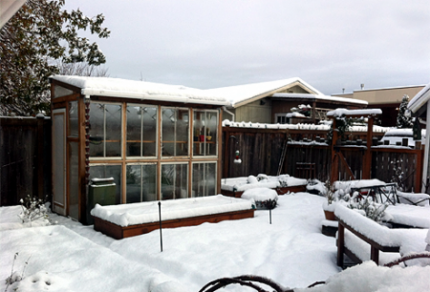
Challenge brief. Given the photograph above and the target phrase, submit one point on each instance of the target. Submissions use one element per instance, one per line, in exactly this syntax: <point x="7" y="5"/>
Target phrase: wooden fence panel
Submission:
<point x="396" y="166"/>
<point x="25" y="159"/>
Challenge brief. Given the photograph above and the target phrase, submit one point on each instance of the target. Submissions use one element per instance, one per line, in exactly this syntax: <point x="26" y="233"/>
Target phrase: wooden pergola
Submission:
<point x="336" y="152"/>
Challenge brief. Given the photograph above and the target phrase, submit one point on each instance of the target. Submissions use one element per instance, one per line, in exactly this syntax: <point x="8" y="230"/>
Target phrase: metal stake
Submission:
<point x="270" y="215"/>
<point x="161" y="233"/>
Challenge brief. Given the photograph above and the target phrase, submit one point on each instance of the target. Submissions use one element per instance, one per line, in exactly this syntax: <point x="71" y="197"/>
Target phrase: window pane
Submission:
<point x="205" y="133"/>
<point x="73" y="119"/>
<point x="174" y="183"/>
<point x="105" y="130"/>
<point x="96" y="129"/>
<point x="73" y="181"/>
<point x="204" y="179"/>
<point x="133" y="131"/>
<point x="149" y="131"/>
<point x="113" y="130"/>
<point x="168" y="131"/>
<point x="141" y="183"/>
<point x="175" y="132"/>
<point x="182" y="131"/>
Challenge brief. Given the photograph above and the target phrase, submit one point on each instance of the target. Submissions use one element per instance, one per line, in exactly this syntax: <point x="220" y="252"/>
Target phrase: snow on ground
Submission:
<point x="291" y="251"/>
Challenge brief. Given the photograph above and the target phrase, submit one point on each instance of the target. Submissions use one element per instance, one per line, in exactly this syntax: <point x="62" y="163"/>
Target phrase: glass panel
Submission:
<point x="150" y="117"/>
<point x="133" y="131"/>
<point x="113" y="130"/>
<point x="174" y="182"/>
<point x="182" y="132"/>
<point x="141" y="130"/>
<point x="141" y="183"/>
<point x="105" y="130"/>
<point x="104" y="171"/>
<point x="212" y="133"/>
<point x="96" y="129"/>
<point x="175" y="131"/>
<point x="204" y="179"/>
<point x="61" y="91"/>
<point x="73" y="119"/>
<point x="168" y="131"/>
<point x="205" y="133"/>
<point x="73" y="181"/>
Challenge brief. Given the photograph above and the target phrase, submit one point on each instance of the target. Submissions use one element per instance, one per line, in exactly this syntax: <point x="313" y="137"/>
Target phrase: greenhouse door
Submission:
<point x="59" y="202"/>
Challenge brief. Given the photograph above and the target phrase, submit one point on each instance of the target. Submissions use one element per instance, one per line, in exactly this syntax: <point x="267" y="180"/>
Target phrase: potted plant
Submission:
<point x="328" y="205"/>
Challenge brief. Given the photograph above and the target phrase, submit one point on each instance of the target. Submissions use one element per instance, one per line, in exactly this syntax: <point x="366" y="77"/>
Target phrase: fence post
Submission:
<point x="40" y="177"/>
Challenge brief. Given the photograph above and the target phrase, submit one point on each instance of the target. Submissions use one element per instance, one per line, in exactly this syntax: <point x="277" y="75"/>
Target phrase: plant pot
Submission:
<point x="329" y="215"/>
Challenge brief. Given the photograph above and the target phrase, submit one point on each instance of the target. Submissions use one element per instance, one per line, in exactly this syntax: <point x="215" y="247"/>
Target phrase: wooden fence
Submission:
<point x="261" y="152"/>
<point x="25" y="158"/>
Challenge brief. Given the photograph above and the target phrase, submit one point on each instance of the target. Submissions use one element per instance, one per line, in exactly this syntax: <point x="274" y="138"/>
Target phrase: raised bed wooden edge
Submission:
<point x="119" y="232"/>
<point x="280" y="191"/>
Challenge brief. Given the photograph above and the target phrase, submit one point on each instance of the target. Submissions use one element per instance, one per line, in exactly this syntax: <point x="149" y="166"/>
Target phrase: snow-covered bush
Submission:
<point x="263" y="198"/>
<point x="34" y="209"/>
<point x="369" y="208"/>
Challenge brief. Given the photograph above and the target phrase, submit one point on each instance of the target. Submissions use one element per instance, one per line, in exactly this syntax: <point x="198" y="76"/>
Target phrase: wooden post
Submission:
<point x="367" y="161"/>
<point x="340" y="244"/>
<point x="419" y="168"/>
<point x="334" y="157"/>
<point x="374" y="254"/>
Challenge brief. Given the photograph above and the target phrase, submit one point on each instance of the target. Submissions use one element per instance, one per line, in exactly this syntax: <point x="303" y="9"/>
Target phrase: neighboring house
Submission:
<point x="419" y="105"/>
<point x="271" y="102"/>
<point x="387" y="99"/>
<point x="8" y="8"/>
<point x="157" y="141"/>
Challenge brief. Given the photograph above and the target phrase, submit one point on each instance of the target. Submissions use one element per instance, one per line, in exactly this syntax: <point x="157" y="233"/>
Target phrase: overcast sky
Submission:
<point x="331" y="44"/>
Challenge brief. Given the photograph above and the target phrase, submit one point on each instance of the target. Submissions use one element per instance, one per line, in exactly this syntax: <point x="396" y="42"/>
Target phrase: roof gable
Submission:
<point x="420" y="99"/>
<point x="243" y="94"/>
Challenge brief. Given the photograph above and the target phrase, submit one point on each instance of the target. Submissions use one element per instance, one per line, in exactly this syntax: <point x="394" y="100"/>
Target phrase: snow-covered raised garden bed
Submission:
<point x="120" y="221"/>
<point x="234" y="187"/>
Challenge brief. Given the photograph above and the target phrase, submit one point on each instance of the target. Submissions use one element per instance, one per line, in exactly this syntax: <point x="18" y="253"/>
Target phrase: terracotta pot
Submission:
<point x="329" y="215"/>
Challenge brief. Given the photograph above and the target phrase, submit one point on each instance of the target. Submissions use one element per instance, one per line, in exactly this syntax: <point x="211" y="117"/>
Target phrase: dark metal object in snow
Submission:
<point x="249" y="281"/>
<point x="161" y="233"/>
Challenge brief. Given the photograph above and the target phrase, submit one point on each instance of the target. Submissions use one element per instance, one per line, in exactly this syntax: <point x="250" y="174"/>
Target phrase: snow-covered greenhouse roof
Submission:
<point x="243" y="94"/>
<point x="320" y="98"/>
<point x="142" y="90"/>
<point x="420" y="99"/>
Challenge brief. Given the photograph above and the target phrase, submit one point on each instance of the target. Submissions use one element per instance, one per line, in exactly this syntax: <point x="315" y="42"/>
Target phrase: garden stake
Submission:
<point x="270" y="215"/>
<point x="161" y="233"/>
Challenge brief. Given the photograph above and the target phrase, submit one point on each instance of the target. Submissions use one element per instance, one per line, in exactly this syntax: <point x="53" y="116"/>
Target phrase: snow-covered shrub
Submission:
<point x="252" y="179"/>
<point x="263" y="198"/>
<point x="34" y="209"/>
<point x="368" y="207"/>
<point x="283" y="180"/>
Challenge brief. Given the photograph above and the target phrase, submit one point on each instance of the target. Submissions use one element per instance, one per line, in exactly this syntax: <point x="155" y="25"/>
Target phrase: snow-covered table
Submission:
<point x="403" y="215"/>
<point x="126" y="220"/>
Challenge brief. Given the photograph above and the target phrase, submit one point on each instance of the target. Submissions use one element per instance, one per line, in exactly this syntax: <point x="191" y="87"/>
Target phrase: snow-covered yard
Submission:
<point x="291" y="251"/>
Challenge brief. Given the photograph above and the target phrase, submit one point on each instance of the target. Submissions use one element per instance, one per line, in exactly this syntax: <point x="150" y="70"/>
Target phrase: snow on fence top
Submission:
<point x="345" y="112"/>
<point x="310" y="127"/>
<point x="116" y="87"/>
<point x="147" y="212"/>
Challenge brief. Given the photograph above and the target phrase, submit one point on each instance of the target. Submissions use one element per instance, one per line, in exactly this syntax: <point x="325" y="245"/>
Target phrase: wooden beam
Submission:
<point x="367" y="161"/>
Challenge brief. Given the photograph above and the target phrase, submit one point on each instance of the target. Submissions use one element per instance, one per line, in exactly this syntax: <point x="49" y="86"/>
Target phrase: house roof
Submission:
<point x="8" y="8"/>
<point x="319" y="97"/>
<point x="243" y="94"/>
<point x="116" y="87"/>
<point x="420" y="99"/>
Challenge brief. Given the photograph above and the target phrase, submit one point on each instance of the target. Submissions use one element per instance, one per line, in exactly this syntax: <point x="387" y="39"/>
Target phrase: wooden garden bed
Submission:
<point x="126" y="220"/>
<point x="119" y="232"/>
<point x="280" y="191"/>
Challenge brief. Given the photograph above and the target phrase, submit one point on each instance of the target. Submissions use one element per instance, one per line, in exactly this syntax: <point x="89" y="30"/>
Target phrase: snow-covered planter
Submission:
<point x="125" y="220"/>
<point x="262" y="198"/>
<point x="282" y="184"/>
